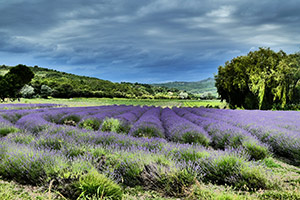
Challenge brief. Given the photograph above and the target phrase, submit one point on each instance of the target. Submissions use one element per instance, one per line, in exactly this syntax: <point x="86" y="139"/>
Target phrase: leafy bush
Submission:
<point x="111" y="125"/>
<point x="45" y="91"/>
<point x="236" y="141"/>
<point x="92" y="124"/>
<point x="97" y="185"/>
<point x="27" y="91"/>
<point x="227" y="140"/>
<point x="7" y="130"/>
<point x="256" y="151"/>
<point x="269" y="162"/>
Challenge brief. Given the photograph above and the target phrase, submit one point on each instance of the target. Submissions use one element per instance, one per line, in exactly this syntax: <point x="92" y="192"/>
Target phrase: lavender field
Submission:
<point x="93" y="152"/>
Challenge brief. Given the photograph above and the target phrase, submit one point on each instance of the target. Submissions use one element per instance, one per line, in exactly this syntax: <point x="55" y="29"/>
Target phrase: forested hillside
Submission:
<point x="199" y="87"/>
<point x="48" y="82"/>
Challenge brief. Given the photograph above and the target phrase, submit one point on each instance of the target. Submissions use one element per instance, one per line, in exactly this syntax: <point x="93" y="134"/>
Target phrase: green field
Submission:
<point x="74" y="102"/>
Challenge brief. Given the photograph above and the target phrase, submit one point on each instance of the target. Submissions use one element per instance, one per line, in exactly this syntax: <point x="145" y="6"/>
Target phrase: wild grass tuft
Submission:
<point x="256" y="151"/>
<point x="4" y="131"/>
<point x="176" y="183"/>
<point x="291" y="194"/>
<point x="269" y="162"/>
<point x="96" y="185"/>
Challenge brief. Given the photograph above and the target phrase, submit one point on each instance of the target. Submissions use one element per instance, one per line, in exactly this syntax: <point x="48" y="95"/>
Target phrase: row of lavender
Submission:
<point x="64" y="144"/>
<point x="27" y="106"/>
<point x="175" y="125"/>
<point x="278" y="129"/>
<point x="249" y="130"/>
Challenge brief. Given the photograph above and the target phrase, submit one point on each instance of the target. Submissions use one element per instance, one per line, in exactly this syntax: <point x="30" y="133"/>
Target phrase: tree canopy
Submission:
<point x="13" y="81"/>
<point x="263" y="79"/>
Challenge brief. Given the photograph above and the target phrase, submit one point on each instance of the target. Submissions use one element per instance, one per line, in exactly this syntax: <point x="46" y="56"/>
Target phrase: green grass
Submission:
<point x="288" y="175"/>
<point x="96" y="183"/>
<point x="7" y="130"/>
<point x="13" y="191"/>
<point x="77" y="102"/>
<point x="205" y="103"/>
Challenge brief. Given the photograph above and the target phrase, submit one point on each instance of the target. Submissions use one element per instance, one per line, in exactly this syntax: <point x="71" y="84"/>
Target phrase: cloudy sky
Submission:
<point x="143" y="40"/>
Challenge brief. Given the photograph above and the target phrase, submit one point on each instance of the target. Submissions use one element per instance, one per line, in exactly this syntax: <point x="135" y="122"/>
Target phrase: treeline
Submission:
<point x="48" y="82"/>
<point x="263" y="79"/>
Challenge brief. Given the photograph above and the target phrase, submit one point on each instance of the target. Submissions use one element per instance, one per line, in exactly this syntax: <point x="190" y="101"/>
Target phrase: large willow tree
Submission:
<point x="260" y="80"/>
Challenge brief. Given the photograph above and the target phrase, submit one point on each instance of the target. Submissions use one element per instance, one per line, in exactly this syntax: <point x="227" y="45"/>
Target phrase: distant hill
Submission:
<point x="198" y="87"/>
<point x="66" y="85"/>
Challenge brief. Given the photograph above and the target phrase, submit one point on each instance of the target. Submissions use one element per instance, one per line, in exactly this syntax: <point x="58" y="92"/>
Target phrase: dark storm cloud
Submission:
<point x="141" y="40"/>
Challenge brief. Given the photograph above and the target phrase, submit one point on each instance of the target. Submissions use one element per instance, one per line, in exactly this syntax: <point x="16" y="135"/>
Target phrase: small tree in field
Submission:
<point x="183" y="95"/>
<point x="27" y="91"/>
<point x="46" y="91"/>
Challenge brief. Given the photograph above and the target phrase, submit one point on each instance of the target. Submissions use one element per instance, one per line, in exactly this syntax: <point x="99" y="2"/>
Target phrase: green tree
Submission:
<point x="3" y="88"/>
<point x="261" y="68"/>
<point x="259" y="80"/>
<point x="13" y="81"/>
<point x="287" y="77"/>
<point x="232" y="83"/>
<point x="46" y="91"/>
<point x="64" y="90"/>
<point x="27" y="91"/>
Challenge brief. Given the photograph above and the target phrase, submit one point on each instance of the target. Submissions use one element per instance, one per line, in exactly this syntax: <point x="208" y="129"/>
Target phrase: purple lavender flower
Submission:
<point x="179" y="129"/>
<point x="149" y="125"/>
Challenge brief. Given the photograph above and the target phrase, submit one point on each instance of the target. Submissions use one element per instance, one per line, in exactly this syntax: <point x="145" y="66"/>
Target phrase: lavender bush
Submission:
<point x="149" y="125"/>
<point x="179" y="129"/>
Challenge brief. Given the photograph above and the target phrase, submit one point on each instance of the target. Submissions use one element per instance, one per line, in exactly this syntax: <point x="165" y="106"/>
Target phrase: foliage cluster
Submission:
<point x="13" y="81"/>
<point x="263" y="79"/>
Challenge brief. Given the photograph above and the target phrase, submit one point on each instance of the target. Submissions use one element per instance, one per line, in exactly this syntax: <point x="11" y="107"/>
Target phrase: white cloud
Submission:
<point x="223" y="11"/>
